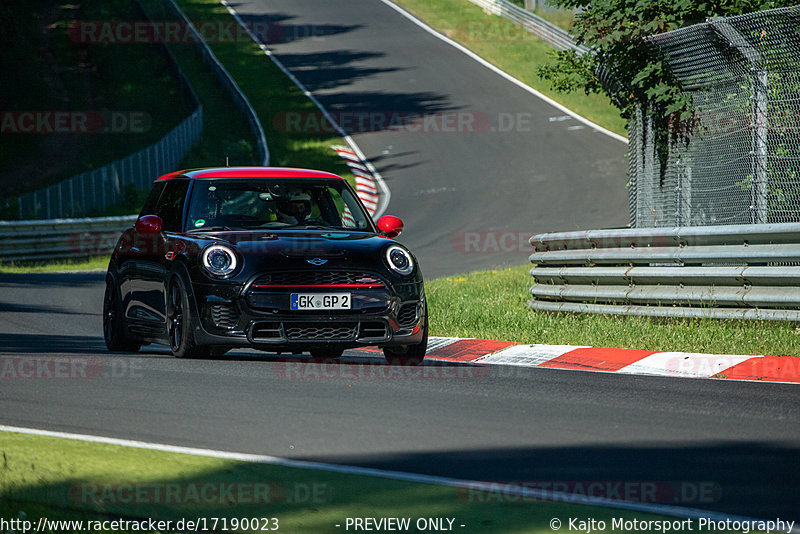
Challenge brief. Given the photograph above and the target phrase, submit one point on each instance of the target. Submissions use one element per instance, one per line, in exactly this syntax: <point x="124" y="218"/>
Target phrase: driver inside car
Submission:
<point x="295" y="209"/>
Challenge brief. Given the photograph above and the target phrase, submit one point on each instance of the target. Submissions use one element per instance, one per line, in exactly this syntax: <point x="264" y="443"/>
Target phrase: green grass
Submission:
<point x="508" y="47"/>
<point x="560" y="17"/>
<point x="67" y="479"/>
<point x="563" y="18"/>
<point x="493" y="305"/>
<point x="53" y="72"/>
<point x="59" y="266"/>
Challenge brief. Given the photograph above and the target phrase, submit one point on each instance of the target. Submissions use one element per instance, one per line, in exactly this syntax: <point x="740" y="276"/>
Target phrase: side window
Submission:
<point x="348" y="206"/>
<point x="170" y="205"/>
<point x="149" y="207"/>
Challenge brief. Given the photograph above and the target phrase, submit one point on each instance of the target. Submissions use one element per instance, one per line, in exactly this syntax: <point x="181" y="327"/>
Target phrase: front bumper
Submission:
<point x="242" y="316"/>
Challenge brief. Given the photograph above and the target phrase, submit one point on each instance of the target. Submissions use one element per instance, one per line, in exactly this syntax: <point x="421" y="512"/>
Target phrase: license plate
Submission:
<point x="320" y="301"/>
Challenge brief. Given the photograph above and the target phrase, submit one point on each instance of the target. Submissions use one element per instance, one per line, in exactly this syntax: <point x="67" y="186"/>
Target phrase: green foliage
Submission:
<point x="621" y="64"/>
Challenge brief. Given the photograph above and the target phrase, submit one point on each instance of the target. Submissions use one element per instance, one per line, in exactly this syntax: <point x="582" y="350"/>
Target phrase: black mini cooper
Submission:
<point x="277" y="259"/>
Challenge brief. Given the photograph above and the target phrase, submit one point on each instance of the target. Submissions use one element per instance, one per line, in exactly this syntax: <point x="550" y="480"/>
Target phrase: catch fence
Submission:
<point x="736" y="160"/>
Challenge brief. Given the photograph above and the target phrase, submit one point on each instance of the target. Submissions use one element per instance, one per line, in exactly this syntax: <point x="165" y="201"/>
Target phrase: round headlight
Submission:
<point x="219" y="260"/>
<point x="399" y="260"/>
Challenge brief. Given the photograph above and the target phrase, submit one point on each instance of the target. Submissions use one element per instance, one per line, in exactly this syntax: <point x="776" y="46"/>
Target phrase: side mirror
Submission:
<point x="149" y="224"/>
<point x="390" y="226"/>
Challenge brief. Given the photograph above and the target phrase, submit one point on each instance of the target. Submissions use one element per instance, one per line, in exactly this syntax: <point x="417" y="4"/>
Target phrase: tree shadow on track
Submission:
<point x="12" y="307"/>
<point x="332" y="72"/>
<point x="741" y="479"/>
<point x="277" y="28"/>
<point x="47" y="344"/>
<point x="80" y="279"/>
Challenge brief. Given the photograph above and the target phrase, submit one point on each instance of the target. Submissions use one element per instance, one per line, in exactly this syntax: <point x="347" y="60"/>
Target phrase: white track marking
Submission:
<point x="675" y="511"/>
<point x="503" y="73"/>
<point x="683" y="364"/>
<point x="527" y="355"/>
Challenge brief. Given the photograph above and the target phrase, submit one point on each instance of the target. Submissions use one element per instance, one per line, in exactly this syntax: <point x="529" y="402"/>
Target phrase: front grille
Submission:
<point x="373" y="330"/>
<point x="311" y="331"/>
<point x="267" y="332"/>
<point x="277" y="331"/>
<point x="407" y="315"/>
<point x="317" y="277"/>
<point x="223" y="316"/>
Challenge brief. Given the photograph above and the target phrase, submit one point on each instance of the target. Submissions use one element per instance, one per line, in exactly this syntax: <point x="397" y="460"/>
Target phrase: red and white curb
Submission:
<point x="609" y="360"/>
<point x="366" y="186"/>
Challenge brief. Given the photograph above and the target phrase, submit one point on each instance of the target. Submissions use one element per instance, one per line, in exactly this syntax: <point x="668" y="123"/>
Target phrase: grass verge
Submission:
<point x="53" y="70"/>
<point x="59" y="266"/>
<point x="560" y="17"/>
<point x="494" y="305"/>
<point x="513" y="50"/>
<point x="63" y="479"/>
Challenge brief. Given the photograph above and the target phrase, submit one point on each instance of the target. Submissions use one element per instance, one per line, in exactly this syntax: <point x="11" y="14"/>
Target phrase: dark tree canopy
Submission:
<point x="614" y="31"/>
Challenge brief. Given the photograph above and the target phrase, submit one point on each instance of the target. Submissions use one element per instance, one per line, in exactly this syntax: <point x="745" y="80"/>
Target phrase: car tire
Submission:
<point x="179" y="322"/>
<point x="114" y="334"/>
<point x="409" y="355"/>
<point x="325" y="355"/>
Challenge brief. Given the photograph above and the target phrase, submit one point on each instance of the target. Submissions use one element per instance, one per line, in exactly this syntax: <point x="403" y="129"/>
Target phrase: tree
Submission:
<point x="620" y="64"/>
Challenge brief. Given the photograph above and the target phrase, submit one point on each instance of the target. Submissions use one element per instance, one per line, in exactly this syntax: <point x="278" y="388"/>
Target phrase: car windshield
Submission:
<point x="274" y="203"/>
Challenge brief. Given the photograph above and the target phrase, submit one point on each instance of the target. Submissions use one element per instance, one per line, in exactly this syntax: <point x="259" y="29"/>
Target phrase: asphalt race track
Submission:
<point x="529" y="175"/>
<point x="501" y="424"/>
<point x="742" y="440"/>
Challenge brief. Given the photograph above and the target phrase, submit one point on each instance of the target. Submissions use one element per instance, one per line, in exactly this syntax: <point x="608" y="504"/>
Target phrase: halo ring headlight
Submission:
<point x="399" y="260"/>
<point x="219" y="260"/>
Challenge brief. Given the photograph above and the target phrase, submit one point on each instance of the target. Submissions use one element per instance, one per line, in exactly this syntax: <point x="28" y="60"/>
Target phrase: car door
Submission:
<point x="151" y="262"/>
<point x="129" y="251"/>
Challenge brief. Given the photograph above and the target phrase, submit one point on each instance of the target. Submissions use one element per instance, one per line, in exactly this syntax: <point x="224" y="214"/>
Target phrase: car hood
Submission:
<point x="333" y="249"/>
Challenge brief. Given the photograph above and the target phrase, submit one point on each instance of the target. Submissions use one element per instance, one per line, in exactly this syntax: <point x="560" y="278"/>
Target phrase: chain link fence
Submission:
<point x="737" y="159"/>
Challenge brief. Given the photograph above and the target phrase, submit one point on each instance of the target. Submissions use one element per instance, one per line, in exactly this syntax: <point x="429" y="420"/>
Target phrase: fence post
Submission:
<point x="645" y="195"/>
<point x="760" y="90"/>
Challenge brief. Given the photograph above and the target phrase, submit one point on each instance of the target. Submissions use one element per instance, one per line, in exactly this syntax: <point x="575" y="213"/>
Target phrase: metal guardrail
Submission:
<point x="726" y="272"/>
<point x="536" y="25"/>
<point x="60" y="238"/>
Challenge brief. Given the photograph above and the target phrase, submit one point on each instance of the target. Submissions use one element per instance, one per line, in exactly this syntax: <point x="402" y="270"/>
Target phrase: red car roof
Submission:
<point x="249" y="172"/>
